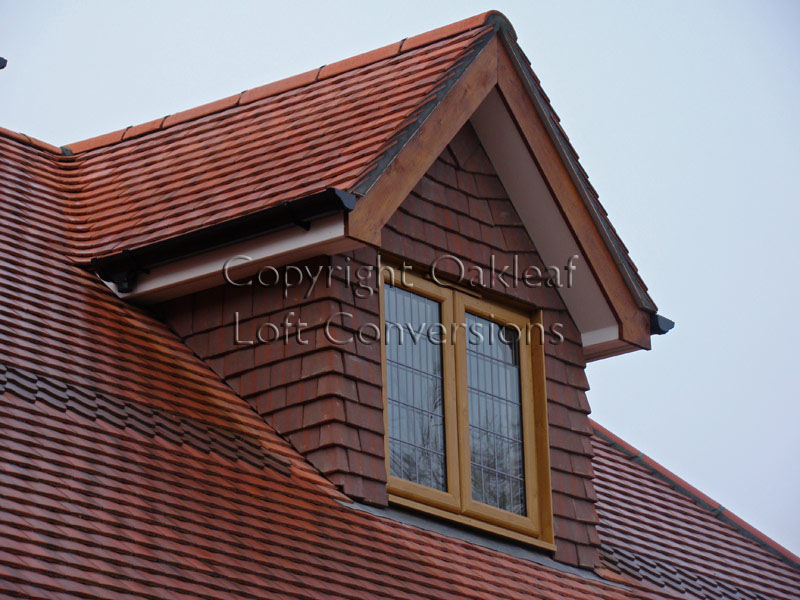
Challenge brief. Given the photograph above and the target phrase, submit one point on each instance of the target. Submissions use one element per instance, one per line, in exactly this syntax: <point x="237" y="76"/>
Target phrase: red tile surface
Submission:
<point x="657" y="528"/>
<point x="93" y="510"/>
<point x="329" y="127"/>
<point x="277" y="143"/>
<point x="325" y="398"/>
<point x="130" y="469"/>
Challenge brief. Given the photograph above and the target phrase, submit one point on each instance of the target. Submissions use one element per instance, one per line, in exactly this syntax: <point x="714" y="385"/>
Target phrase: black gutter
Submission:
<point x="124" y="268"/>
<point x="659" y="324"/>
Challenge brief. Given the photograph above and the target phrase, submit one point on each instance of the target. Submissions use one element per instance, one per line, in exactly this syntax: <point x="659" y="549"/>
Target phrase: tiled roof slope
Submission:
<point x="657" y="528"/>
<point x="59" y="321"/>
<point x="94" y="510"/>
<point x="129" y="470"/>
<point x="257" y="149"/>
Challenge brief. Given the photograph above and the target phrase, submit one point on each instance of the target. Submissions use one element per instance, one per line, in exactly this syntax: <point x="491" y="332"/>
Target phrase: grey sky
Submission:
<point x="686" y="118"/>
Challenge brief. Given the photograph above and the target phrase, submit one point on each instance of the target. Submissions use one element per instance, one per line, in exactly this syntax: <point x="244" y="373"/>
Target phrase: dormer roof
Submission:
<point x="140" y="198"/>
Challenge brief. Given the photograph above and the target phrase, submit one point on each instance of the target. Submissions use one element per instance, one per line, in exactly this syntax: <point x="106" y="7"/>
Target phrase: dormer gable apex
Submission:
<point x="185" y="175"/>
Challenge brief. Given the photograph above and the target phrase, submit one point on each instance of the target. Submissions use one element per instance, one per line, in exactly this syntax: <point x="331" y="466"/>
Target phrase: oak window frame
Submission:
<point x="456" y="502"/>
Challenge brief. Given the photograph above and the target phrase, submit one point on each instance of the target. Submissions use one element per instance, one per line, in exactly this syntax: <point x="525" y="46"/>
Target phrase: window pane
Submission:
<point x="414" y="382"/>
<point x="495" y="426"/>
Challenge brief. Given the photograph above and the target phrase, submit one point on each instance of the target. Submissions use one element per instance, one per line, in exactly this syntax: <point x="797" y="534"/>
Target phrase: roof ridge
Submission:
<point x="29" y="141"/>
<point x="289" y="83"/>
<point x="698" y="497"/>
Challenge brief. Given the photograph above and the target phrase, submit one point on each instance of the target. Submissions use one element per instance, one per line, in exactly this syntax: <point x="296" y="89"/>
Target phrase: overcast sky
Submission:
<point x="686" y="118"/>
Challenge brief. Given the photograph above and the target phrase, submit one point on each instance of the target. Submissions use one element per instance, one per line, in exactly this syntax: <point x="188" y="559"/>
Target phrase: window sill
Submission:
<point x="472" y="522"/>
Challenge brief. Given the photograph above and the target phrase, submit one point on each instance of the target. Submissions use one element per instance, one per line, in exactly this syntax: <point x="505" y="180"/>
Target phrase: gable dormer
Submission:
<point x="275" y="266"/>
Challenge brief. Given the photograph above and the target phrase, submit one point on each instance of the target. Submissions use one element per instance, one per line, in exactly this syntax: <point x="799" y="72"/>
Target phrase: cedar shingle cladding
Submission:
<point x="326" y="398"/>
<point x="461" y="208"/>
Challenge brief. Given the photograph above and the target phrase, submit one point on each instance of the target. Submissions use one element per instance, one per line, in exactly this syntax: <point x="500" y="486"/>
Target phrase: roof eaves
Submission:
<point x="698" y="497"/>
<point x="124" y="266"/>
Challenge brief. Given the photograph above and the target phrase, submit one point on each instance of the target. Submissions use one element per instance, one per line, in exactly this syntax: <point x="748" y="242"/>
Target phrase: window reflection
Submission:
<point x="415" y="395"/>
<point x="495" y="427"/>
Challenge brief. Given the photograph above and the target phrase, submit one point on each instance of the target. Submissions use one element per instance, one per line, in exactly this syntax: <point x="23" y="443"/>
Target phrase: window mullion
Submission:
<point x="462" y="401"/>
<point x="450" y="397"/>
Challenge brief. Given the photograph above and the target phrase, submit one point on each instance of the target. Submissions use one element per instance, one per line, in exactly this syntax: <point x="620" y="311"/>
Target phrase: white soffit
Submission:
<point x="203" y="271"/>
<point x="542" y="218"/>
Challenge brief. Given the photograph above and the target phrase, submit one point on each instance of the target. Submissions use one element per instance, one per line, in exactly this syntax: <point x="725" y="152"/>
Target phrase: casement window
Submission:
<point x="465" y="409"/>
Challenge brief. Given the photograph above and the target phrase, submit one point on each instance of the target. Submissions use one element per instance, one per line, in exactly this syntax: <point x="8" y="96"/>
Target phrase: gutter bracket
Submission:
<point x="123" y="273"/>
<point x="125" y="281"/>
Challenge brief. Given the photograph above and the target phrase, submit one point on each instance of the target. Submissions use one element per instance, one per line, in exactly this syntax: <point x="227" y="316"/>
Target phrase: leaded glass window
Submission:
<point x="495" y="425"/>
<point x="466" y="408"/>
<point x="414" y="394"/>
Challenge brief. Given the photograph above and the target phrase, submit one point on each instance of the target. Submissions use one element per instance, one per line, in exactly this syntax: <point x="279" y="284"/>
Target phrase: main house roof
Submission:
<point x="130" y="470"/>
